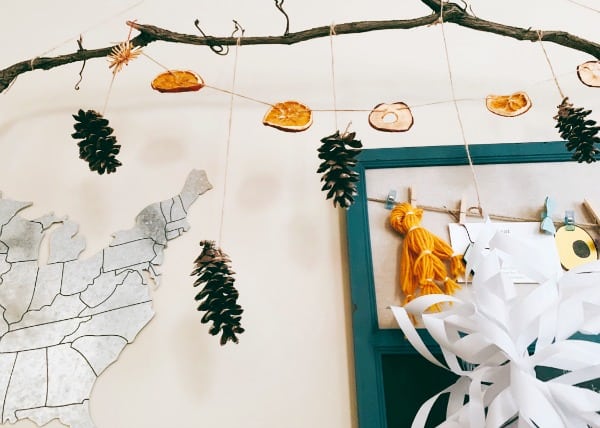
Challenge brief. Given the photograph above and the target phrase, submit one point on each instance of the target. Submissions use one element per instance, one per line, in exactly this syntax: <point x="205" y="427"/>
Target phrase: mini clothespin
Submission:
<point x="390" y="201"/>
<point x="593" y="213"/>
<point x="547" y="225"/>
<point x="569" y="220"/>
<point x="412" y="197"/>
<point x="462" y="210"/>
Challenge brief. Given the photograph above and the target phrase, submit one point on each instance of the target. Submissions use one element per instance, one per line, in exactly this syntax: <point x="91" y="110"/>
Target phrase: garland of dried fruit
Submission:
<point x="338" y="153"/>
<point x="98" y="146"/>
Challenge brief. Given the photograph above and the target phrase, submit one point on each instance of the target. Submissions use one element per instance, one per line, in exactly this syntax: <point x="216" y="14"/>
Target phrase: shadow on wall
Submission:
<point x="161" y="151"/>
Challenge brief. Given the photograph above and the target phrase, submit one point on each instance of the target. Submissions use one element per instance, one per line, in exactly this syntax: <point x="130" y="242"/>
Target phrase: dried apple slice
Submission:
<point x="395" y="117"/>
<point x="508" y="105"/>
<point x="290" y="116"/>
<point x="589" y="73"/>
<point x="177" y="81"/>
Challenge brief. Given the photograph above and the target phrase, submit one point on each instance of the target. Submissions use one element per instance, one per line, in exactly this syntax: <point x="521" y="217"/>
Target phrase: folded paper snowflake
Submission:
<point x="525" y="355"/>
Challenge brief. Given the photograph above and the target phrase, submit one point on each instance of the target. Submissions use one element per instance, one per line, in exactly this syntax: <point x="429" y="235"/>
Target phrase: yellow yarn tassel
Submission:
<point x="424" y="256"/>
<point x="451" y="285"/>
<point x="431" y="287"/>
<point x="457" y="266"/>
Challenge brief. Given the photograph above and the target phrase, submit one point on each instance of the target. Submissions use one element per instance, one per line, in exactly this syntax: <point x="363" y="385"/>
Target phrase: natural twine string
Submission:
<point x="91" y="27"/>
<point x="458" y="116"/>
<point x="562" y="95"/>
<point x="155" y="61"/>
<point x="584" y="6"/>
<point x="228" y="144"/>
<point x="455" y="213"/>
<point x="335" y="109"/>
<point x="246" y="97"/>
<point x="110" y="86"/>
<point x="204" y="85"/>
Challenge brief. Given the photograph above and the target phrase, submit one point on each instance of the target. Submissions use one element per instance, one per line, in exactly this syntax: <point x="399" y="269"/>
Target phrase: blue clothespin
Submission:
<point x="547" y="225"/>
<point x="570" y="220"/>
<point x="390" y="201"/>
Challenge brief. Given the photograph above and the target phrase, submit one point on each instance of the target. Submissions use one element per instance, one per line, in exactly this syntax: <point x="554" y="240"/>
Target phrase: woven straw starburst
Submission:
<point x="122" y="54"/>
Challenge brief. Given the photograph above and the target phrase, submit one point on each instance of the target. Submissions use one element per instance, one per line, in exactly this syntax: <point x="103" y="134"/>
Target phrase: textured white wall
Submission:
<point x="293" y="367"/>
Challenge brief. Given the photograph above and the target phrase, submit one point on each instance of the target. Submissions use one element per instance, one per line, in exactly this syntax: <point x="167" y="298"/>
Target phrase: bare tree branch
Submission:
<point x="434" y="5"/>
<point x="46" y="63"/>
<point x="455" y="14"/>
<point x="289" y="39"/>
<point x="451" y="13"/>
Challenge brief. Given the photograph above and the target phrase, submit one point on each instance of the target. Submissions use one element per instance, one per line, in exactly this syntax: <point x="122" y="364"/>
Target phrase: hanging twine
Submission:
<point x="585" y="6"/>
<point x="458" y="115"/>
<point x="554" y="77"/>
<point x="91" y="27"/>
<point x="333" y="85"/>
<point x="117" y="67"/>
<point x="455" y="213"/>
<point x="335" y="109"/>
<point x="108" y="92"/>
<point x="229" y="129"/>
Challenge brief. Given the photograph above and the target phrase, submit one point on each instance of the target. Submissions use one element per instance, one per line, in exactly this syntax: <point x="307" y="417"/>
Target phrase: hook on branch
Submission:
<point x="467" y="8"/>
<point x="216" y="48"/>
<point x="279" y="6"/>
<point x="80" y="48"/>
<point x="238" y="27"/>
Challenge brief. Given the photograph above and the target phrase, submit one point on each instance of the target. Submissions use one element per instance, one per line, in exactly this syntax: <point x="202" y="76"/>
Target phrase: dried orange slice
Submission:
<point x="290" y="116"/>
<point x="177" y="81"/>
<point x="508" y="105"/>
<point x="589" y="73"/>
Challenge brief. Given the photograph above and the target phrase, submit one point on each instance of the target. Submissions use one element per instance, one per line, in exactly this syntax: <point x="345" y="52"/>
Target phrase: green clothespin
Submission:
<point x="547" y="225"/>
<point x="390" y="201"/>
<point x="569" y="220"/>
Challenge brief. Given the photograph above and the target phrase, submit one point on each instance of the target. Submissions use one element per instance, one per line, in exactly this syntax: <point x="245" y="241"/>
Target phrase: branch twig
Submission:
<point x="452" y="13"/>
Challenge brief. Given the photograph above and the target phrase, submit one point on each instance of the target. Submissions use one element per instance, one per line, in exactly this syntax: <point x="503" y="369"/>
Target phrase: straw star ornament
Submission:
<point x="121" y="55"/>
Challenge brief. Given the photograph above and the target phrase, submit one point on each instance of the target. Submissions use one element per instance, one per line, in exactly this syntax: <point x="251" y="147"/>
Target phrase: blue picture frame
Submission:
<point x="372" y="344"/>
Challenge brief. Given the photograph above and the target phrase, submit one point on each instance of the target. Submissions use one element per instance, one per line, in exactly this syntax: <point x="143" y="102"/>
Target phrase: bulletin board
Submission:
<point x="513" y="180"/>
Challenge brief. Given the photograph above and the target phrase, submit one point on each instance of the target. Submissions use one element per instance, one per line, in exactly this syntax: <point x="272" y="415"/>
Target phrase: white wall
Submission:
<point x="293" y="367"/>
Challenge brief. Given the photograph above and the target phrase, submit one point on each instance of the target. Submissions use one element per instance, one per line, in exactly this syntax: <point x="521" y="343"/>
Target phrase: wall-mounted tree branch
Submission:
<point x="451" y="12"/>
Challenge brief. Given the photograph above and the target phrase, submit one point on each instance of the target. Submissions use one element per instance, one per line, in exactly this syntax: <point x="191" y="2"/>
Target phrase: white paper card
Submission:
<point x="463" y="235"/>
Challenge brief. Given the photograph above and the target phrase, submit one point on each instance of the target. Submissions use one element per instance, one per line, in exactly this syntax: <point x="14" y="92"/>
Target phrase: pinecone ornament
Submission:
<point x="581" y="134"/>
<point x="339" y="156"/>
<point x="218" y="297"/>
<point x="97" y="147"/>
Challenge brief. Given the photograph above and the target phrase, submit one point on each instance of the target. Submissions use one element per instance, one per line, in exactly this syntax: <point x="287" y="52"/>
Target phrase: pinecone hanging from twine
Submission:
<point x="219" y="296"/>
<point x="97" y="147"/>
<point x="339" y="156"/>
<point x="581" y="134"/>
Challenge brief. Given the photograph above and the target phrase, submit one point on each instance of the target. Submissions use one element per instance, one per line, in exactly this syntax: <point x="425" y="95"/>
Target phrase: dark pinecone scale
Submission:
<point x="218" y="297"/>
<point x="98" y="147"/>
<point x="339" y="157"/>
<point x="581" y="133"/>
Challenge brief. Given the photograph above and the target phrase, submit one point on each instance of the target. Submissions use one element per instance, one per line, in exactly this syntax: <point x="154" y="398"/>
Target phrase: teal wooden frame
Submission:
<point x="370" y="342"/>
